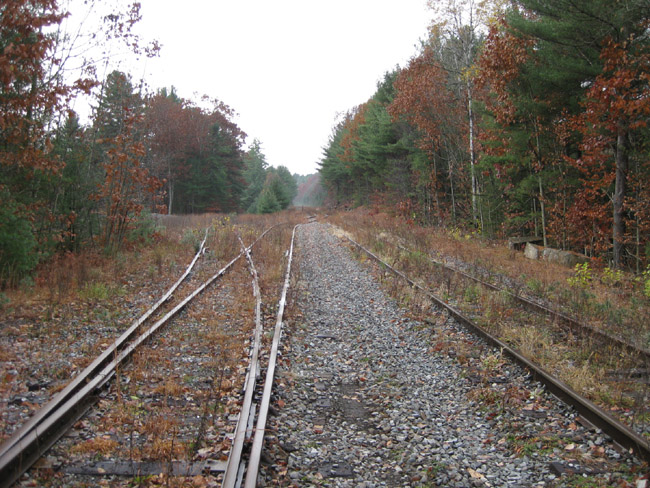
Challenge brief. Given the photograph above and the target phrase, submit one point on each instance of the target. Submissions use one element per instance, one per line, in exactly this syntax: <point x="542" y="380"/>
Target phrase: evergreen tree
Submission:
<point x="119" y="148"/>
<point x="572" y="41"/>
<point x="267" y="202"/>
<point x="289" y="183"/>
<point x="255" y="166"/>
<point x="333" y="167"/>
<point x="28" y="101"/>
<point x="72" y="193"/>
<point x="117" y="103"/>
<point x="226" y="157"/>
<point x="366" y="153"/>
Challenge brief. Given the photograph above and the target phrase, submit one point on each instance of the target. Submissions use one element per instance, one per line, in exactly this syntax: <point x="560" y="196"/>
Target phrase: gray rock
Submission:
<point x="395" y="412"/>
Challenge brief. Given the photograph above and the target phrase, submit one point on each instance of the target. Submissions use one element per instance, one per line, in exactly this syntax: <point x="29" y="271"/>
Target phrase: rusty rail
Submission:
<point x="574" y="324"/>
<point x="233" y="473"/>
<point x="260" y="427"/>
<point x="597" y="416"/>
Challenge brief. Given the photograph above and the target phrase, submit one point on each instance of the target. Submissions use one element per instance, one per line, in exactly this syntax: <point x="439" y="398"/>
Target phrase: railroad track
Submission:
<point x="47" y="425"/>
<point x="244" y="457"/>
<point x="561" y="318"/>
<point x="587" y="409"/>
<point x="630" y="380"/>
<point x="251" y="413"/>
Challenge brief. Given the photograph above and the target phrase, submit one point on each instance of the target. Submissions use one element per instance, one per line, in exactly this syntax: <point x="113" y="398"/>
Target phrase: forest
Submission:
<point x="522" y="118"/>
<point x="67" y="185"/>
<point x="512" y="119"/>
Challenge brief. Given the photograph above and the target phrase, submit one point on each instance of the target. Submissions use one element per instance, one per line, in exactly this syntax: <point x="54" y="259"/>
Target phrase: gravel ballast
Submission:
<point x="368" y="397"/>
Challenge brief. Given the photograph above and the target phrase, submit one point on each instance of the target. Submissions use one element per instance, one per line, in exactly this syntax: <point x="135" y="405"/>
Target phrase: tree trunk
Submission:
<point x="171" y="196"/>
<point x="542" y="209"/>
<point x="433" y="178"/>
<point x="453" y="197"/>
<point x="622" y="160"/>
<point x="638" y="246"/>
<point x="541" y="188"/>
<point x="472" y="154"/>
<point x="565" y="232"/>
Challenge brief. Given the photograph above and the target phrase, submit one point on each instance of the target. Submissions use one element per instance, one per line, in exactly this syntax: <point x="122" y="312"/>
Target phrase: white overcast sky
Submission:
<point x="288" y="67"/>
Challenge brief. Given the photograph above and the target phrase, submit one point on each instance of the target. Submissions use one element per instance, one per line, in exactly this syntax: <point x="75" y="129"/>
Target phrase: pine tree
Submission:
<point x="71" y="194"/>
<point x="572" y="40"/>
<point x="267" y="202"/>
<point x="255" y="166"/>
<point x="289" y="183"/>
<point x="27" y="102"/>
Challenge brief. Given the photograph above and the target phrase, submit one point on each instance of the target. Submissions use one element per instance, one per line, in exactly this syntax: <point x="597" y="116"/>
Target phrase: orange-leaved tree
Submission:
<point x="126" y="184"/>
<point x="30" y="96"/>
<point x="423" y="98"/>
<point x="613" y="166"/>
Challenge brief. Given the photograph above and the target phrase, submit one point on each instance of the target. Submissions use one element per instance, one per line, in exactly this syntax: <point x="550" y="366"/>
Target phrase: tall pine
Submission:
<point x="572" y="39"/>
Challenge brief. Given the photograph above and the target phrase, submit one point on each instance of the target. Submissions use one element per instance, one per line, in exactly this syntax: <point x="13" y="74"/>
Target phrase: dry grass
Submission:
<point x="97" y="445"/>
<point x="616" y="305"/>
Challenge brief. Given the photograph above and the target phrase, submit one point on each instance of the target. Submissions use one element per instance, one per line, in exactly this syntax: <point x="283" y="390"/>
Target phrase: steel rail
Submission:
<point x="231" y="475"/>
<point x="62" y="396"/>
<point x="260" y="427"/>
<point x="576" y="325"/>
<point x="590" y="411"/>
<point x="23" y="449"/>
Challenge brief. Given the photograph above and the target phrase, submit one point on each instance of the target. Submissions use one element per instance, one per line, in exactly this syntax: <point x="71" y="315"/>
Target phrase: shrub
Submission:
<point x="145" y="229"/>
<point x="611" y="277"/>
<point x="4" y="301"/>
<point x="646" y="282"/>
<point x="94" y="291"/>
<point x="582" y="278"/>
<point x="191" y="237"/>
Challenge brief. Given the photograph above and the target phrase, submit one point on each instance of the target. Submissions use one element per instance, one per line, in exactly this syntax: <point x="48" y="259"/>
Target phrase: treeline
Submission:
<point x="531" y="119"/>
<point x="65" y="184"/>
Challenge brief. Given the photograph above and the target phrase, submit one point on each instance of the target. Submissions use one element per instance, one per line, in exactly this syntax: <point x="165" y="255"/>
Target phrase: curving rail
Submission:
<point x="237" y="466"/>
<point x="260" y="427"/>
<point x="36" y="436"/>
<point x="234" y="473"/>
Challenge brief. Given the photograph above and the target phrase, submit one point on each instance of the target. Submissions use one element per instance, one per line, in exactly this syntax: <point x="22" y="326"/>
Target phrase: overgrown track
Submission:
<point x="615" y="429"/>
<point x="233" y="473"/>
<point x="238" y="466"/>
<point x="561" y="318"/>
<point x="48" y="424"/>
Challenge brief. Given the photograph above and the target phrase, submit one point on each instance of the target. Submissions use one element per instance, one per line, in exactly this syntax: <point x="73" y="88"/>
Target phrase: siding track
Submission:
<point x="570" y="322"/>
<point x="36" y="436"/>
<point x="618" y="431"/>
